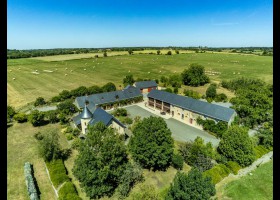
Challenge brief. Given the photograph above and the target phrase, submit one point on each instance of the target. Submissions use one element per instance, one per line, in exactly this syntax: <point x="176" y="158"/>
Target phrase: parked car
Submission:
<point x="162" y="113"/>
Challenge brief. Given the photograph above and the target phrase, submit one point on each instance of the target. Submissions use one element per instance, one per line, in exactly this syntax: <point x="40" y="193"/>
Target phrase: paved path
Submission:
<point x="180" y="131"/>
<point x="43" y="109"/>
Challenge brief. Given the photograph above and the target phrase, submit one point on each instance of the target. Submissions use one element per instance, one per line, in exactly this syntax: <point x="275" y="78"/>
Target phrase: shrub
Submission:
<point x="175" y="90"/>
<point x="68" y="192"/>
<point x="128" y="120"/>
<point x="233" y="166"/>
<point x="221" y="97"/>
<point x="30" y="181"/>
<point x="38" y="136"/>
<point x="57" y="172"/>
<point x="120" y="112"/>
<point x="146" y="192"/>
<point x="68" y="129"/>
<point x="20" y="117"/>
<point x="39" y="101"/>
<point x="52" y="116"/>
<point x="260" y="150"/>
<point x="192" y="94"/>
<point x="177" y="161"/>
<point x="169" y="53"/>
<point x="217" y="173"/>
<point x="76" y="143"/>
<point x="76" y="132"/>
<point x="168" y="90"/>
<point x="56" y="99"/>
<point x="69" y="136"/>
<point x="36" y="118"/>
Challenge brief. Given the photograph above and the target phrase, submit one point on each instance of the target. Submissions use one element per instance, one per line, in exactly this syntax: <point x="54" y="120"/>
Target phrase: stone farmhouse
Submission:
<point x="145" y="86"/>
<point x="187" y="110"/>
<point x="92" y="108"/>
<point x="181" y="108"/>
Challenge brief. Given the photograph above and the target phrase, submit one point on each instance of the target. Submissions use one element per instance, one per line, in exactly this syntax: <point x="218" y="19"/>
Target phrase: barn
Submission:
<point x="146" y="86"/>
<point x="187" y="109"/>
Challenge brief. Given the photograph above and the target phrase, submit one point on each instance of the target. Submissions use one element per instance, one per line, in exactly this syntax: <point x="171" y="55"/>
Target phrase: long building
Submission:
<point x="187" y="109"/>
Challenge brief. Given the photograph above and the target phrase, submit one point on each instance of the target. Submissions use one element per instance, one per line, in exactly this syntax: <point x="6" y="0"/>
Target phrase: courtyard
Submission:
<point x="180" y="131"/>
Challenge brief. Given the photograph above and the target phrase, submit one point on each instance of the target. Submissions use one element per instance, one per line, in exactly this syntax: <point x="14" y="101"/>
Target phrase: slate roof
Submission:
<point x="107" y="97"/>
<point x="99" y="115"/>
<point x="197" y="106"/>
<point x="86" y="114"/>
<point x="145" y="84"/>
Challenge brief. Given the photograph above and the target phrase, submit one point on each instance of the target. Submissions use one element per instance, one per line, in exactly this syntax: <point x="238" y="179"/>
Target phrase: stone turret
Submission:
<point x="85" y="119"/>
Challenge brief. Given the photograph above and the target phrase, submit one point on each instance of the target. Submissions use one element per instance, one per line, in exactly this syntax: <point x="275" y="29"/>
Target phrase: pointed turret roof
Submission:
<point x="86" y="114"/>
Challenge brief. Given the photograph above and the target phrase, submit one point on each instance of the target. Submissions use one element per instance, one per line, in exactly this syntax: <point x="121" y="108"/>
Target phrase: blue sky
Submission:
<point x="35" y="24"/>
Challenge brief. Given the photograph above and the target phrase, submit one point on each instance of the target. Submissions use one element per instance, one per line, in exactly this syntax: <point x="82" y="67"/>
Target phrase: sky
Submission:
<point x="45" y="24"/>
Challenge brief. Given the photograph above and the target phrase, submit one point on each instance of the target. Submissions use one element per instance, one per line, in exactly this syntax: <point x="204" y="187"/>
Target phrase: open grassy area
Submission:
<point x="27" y="86"/>
<point x="22" y="147"/>
<point x="258" y="186"/>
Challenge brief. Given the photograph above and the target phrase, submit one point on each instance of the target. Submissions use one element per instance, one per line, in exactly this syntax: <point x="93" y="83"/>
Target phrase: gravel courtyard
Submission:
<point x="180" y="131"/>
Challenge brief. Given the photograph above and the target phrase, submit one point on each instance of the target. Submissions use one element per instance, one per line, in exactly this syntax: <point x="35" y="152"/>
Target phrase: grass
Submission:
<point x="258" y="186"/>
<point x="22" y="147"/>
<point x="27" y="86"/>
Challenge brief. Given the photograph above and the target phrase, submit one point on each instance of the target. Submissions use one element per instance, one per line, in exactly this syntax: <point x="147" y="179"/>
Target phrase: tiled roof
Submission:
<point x="107" y="97"/>
<point x="145" y="84"/>
<point x="197" y="106"/>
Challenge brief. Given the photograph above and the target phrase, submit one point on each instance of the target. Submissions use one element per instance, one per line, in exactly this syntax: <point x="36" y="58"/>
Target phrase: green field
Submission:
<point x="258" y="186"/>
<point x="27" y="86"/>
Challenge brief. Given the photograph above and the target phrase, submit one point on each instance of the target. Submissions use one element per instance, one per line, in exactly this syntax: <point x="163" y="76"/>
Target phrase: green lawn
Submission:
<point x="22" y="147"/>
<point x="28" y="86"/>
<point x="258" y="186"/>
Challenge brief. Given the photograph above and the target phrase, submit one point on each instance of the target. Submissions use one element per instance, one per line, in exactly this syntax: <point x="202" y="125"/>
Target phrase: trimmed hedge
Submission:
<point x="68" y="192"/>
<point x="233" y="166"/>
<point x="217" y="173"/>
<point x="57" y="172"/>
<point x="260" y="150"/>
<point x="30" y="181"/>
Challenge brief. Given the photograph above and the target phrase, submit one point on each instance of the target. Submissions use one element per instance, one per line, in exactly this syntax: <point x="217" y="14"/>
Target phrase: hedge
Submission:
<point x="68" y="192"/>
<point x="260" y="150"/>
<point x="233" y="166"/>
<point x="30" y="182"/>
<point x="57" y="172"/>
<point x="217" y="173"/>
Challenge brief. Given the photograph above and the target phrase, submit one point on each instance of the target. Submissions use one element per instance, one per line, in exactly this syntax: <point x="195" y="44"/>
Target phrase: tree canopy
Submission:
<point x="191" y="186"/>
<point x="236" y="145"/>
<point x="151" y="144"/>
<point x="128" y="80"/>
<point x="211" y="91"/>
<point x="109" y="87"/>
<point x="194" y="75"/>
<point x="101" y="161"/>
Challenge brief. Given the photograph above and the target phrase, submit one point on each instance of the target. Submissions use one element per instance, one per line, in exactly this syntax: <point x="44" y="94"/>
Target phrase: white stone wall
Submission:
<point x="84" y="125"/>
<point x="119" y="128"/>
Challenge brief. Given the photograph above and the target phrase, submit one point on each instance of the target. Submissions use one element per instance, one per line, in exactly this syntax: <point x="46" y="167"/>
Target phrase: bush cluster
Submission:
<point x="177" y="161"/>
<point x="233" y="166"/>
<point x="192" y="94"/>
<point x="260" y="150"/>
<point x="217" y="173"/>
<point x="210" y="125"/>
<point x="57" y="172"/>
<point x="68" y="192"/>
<point x="30" y="182"/>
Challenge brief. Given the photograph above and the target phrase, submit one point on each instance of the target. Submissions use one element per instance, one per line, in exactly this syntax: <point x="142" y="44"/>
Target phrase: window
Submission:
<point x="182" y="116"/>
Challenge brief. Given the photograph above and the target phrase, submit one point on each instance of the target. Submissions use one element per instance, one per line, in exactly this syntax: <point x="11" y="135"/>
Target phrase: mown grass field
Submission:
<point x="258" y="186"/>
<point x="27" y="86"/>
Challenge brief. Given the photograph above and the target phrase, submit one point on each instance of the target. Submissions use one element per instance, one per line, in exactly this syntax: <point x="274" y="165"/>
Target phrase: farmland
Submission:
<point x="26" y="84"/>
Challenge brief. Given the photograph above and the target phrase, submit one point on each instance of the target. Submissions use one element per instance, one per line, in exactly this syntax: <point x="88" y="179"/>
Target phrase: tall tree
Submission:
<point x="158" y="52"/>
<point x="151" y="144"/>
<point x="191" y="186"/>
<point x="49" y="147"/>
<point x="194" y="75"/>
<point x="128" y="80"/>
<point x="109" y="87"/>
<point x="236" y="145"/>
<point x="211" y="91"/>
<point x="101" y="161"/>
<point x="36" y="118"/>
